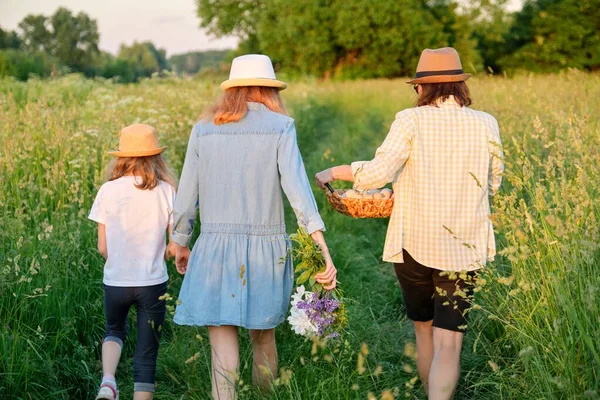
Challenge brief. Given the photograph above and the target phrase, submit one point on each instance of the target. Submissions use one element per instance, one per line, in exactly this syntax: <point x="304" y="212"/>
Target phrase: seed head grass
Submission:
<point x="534" y="326"/>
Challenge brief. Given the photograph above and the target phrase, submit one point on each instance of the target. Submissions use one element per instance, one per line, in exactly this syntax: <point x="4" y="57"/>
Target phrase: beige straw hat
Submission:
<point x="252" y="70"/>
<point x="439" y="66"/>
<point x="138" y="140"/>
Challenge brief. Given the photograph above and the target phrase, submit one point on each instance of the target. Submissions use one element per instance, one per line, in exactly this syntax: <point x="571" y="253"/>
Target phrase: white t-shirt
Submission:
<point x="136" y="223"/>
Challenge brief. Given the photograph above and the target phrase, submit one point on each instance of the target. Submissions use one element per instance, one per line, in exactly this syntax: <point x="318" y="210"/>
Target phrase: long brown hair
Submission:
<point x="150" y="170"/>
<point x="232" y="107"/>
<point x="434" y="93"/>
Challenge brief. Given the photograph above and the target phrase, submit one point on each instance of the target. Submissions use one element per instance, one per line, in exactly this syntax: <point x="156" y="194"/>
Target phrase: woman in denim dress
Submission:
<point x="239" y="274"/>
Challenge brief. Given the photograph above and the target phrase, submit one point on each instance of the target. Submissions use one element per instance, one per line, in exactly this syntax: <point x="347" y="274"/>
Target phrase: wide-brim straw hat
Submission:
<point x="439" y="66"/>
<point x="138" y="140"/>
<point x="252" y="70"/>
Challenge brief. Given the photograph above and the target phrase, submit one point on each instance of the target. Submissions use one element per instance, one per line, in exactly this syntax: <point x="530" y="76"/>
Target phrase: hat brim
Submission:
<point x="274" y="83"/>
<point x="143" y="153"/>
<point x="440" y="79"/>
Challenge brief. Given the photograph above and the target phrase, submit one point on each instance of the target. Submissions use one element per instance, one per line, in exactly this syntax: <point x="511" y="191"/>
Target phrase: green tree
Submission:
<point x="343" y="38"/>
<point x="194" y="62"/>
<point x="75" y="39"/>
<point x="144" y="57"/>
<point x="384" y="38"/>
<point x="490" y="24"/>
<point x="35" y="33"/>
<point x="230" y="17"/>
<point x="71" y="39"/>
<point x="299" y="35"/>
<point x="233" y="17"/>
<point x="22" y="65"/>
<point x="458" y="29"/>
<point x="550" y="35"/>
<point x="9" y="40"/>
<point x="109" y="66"/>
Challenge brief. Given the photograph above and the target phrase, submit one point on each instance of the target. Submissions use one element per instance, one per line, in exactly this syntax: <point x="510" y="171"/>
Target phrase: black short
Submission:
<point x="431" y="294"/>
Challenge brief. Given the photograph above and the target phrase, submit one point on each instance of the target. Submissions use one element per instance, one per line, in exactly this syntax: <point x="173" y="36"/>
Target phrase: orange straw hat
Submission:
<point x="138" y="140"/>
<point x="439" y="66"/>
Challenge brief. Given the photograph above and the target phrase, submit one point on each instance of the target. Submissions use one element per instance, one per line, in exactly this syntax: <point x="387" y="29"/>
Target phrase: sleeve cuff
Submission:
<point x="316" y="224"/>
<point x="356" y="167"/>
<point x="97" y="218"/>
<point x="180" y="238"/>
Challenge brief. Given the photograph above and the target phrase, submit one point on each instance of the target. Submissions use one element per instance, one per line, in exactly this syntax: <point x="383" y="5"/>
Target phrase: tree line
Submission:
<point x="64" y="42"/>
<point x="346" y="39"/>
<point x="384" y="38"/>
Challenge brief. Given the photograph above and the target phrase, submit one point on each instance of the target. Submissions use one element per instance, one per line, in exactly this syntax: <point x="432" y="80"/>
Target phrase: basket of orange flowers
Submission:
<point x="366" y="204"/>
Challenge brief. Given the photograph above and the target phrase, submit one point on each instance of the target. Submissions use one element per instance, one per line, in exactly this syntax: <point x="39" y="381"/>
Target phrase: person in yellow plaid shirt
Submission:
<point x="444" y="160"/>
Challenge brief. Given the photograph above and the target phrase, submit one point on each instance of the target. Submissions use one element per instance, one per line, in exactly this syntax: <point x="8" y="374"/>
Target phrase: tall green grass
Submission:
<point x="535" y="334"/>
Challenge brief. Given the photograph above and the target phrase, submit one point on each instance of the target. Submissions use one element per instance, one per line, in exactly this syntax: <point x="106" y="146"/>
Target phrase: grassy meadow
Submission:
<point x="535" y="330"/>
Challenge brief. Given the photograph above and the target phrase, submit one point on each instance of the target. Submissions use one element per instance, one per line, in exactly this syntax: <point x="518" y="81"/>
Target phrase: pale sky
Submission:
<point x="169" y="24"/>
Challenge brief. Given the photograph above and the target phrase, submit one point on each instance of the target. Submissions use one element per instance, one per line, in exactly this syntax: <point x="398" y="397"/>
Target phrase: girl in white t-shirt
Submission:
<point x="133" y="212"/>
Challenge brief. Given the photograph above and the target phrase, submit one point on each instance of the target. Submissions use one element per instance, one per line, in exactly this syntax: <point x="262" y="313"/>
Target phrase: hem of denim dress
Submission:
<point x="188" y="322"/>
<point x="111" y="338"/>
<point x="144" y="387"/>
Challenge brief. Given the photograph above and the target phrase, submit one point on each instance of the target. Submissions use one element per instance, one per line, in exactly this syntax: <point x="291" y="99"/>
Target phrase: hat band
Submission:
<point x="423" y="74"/>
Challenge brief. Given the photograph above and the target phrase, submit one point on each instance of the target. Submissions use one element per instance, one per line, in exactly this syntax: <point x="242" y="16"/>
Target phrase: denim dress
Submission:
<point x="239" y="272"/>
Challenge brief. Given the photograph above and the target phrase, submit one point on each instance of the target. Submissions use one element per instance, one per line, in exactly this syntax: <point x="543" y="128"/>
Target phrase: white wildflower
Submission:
<point x="300" y="322"/>
<point x="299" y="295"/>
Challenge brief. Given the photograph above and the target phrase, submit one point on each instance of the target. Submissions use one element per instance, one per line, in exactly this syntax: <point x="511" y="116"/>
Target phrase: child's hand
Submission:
<point x="170" y="250"/>
<point x="182" y="255"/>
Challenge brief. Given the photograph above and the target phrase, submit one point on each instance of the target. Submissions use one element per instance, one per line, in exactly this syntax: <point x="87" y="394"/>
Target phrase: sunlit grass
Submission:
<point x="536" y="327"/>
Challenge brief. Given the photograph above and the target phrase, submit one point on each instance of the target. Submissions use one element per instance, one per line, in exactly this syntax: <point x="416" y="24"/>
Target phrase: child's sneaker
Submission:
<point x="107" y="392"/>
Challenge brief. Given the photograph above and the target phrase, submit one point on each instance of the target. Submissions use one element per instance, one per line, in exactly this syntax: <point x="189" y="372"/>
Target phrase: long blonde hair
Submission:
<point x="232" y="107"/>
<point x="150" y="170"/>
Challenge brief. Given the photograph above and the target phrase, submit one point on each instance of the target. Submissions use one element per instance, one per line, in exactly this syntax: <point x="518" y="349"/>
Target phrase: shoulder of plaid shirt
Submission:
<point x="394" y="153"/>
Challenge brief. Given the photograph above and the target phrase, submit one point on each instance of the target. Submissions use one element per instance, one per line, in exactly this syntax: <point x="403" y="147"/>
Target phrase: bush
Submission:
<point x="22" y="65"/>
<point x="123" y="71"/>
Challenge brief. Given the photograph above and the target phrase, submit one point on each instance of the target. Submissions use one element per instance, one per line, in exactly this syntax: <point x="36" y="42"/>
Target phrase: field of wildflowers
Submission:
<point x="534" y="331"/>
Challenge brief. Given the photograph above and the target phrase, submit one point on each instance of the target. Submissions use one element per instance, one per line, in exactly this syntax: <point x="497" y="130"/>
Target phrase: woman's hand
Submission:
<point x="324" y="177"/>
<point x="341" y="172"/>
<point x="328" y="276"/>
<point x="182" y="255"/>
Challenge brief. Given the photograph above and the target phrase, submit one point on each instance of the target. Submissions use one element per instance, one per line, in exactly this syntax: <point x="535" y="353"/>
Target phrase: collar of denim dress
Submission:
<point x="256" y="106"/>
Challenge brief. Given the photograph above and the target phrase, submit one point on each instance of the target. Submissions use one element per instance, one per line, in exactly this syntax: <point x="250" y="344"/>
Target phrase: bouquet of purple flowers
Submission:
<point x="315" y="312"/>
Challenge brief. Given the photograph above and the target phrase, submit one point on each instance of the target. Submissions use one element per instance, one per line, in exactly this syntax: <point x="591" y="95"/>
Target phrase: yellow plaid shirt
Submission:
<point x="444" y="162"/>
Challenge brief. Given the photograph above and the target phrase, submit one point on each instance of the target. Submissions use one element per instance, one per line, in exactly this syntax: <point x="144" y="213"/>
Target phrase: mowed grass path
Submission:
<point x="536" y="327"/>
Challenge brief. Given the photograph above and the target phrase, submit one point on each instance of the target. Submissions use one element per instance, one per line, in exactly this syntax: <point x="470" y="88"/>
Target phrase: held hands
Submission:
<point x="170" y="250"/>
<point x="182" y="255"/>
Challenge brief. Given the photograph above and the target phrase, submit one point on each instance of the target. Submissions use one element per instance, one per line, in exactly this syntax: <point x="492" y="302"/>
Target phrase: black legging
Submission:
<point x="150" y="318"/>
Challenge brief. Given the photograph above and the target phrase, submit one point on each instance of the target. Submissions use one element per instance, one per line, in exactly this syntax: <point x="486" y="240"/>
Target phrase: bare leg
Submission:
<point x="424" y="338"/>
<point x="264" y="349"/>
<point x="143" y="395"/>
<point x="445" y="368"/>
<point x="225" y="361"/>
<point x="111" y="353"/>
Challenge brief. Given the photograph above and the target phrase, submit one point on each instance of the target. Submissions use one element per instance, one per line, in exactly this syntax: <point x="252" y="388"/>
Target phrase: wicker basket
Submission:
<point x="359" y="208"/>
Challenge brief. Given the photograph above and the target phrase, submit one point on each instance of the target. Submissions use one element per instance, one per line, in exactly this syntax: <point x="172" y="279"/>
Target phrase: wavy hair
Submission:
<point x="232" y="106"/>
<point x="150" y="170"/>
